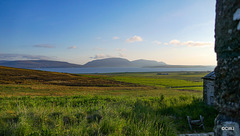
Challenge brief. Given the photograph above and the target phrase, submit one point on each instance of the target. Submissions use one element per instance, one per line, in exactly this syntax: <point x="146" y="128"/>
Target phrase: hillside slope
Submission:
<point x="24" y="76"/>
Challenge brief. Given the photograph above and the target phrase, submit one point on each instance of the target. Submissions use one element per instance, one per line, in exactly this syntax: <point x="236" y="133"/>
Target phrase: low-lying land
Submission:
<point x="48" y="103"/>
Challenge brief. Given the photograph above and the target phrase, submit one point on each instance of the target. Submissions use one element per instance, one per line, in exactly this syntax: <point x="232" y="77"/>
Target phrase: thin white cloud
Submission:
<point x="121" y="55"/>
<point x="175" y="42"/>
<point x="193" y="43"/>
<point x="120" y="52"/>
<point x="165" y="44"/>
<point x="157" y="42"/>
<point x="104" y="56"/>
<point x="44" y="46"/>
<point x="72" y="47"/>
<point x="115" y="38"/>
<point x="101" y="56"/>
<point x="134" y="39"/>
<point x="188" y="43"/>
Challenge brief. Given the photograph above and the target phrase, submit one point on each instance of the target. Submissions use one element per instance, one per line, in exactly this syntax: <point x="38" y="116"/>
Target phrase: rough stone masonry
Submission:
<point x="227" y="82"/>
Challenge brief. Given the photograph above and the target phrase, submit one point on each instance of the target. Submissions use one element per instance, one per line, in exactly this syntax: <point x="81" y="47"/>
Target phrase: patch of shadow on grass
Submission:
<point x="37" y="120"/>
<point x="194" y="110"/>
<point x="11" y="118"/>
<point x="55" y="115"/>
<point x="69" y="120"/>
<point x="96" y="117"/>
<point x="187" y="90"/>
<point x="79" y="116"/>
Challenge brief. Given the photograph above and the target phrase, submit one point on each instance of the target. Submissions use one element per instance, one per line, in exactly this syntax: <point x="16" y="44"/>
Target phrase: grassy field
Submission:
<point x="176" y="80"/>
<point x="49" y="103"/>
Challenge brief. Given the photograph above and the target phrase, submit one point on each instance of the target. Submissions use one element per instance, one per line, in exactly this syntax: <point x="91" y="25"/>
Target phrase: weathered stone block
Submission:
<point x="226" y="126"/>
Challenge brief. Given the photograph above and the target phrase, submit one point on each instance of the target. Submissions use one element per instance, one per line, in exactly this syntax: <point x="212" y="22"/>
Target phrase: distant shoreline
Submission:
<point x="180" y="66"/>
<point x="95" y="70"/>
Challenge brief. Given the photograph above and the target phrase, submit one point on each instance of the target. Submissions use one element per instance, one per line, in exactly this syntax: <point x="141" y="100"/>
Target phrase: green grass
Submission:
<point x="176" y="80"/>
<point x="8" y="90"/>
<point x="49" y="103"/>
<point x="160" y="82"/>
<point x="101" y="115"/>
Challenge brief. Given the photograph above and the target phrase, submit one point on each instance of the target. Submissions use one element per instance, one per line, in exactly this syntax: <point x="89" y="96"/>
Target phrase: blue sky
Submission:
<point x="78" y="31"/>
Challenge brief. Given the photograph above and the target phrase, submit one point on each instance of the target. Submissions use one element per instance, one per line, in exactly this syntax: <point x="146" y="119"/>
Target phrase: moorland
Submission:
<point x="36" y="102"/>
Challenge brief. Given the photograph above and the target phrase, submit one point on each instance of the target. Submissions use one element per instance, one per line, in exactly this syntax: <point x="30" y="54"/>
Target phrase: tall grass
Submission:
<point x="101" y="115"/>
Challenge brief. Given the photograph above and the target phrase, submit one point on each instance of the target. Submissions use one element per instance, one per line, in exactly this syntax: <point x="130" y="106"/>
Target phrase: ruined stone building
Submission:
<point x="208" y="88"/>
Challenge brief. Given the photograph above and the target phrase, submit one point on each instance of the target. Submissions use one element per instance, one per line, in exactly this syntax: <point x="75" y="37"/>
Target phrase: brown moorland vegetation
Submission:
<point x="10" y="75"/>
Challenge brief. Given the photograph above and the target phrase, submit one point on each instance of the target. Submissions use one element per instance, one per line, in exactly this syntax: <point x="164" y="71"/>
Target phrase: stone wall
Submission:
<point x="227" y="83"/>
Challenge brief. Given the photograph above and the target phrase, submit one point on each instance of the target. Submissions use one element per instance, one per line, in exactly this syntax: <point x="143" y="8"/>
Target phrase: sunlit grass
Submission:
<point x="176" y="80"/>
<point x="102" y="115"/>
<point x="50" y="103"/>
<point x="56" y="90"/>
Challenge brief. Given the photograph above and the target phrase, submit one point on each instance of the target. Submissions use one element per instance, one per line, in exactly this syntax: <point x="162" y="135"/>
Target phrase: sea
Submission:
<point x="123" y="69"/>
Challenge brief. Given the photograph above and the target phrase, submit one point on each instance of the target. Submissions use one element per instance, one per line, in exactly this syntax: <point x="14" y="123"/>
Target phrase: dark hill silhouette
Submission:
<point x="120" y="62"/>
<point x="147" y="63"/>
<point x="108" y="62"/>
<point x="38" y="64"/>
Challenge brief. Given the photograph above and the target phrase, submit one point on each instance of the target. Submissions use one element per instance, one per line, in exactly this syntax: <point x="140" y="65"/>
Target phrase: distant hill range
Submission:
<point x="108" y="62"/>
<point x="38" y="64"/>
<point x="120" y="62"/>
<point x="147" y="63"/>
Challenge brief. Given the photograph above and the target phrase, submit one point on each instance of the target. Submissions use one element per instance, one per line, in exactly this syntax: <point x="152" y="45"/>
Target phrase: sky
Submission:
<point x="177" y="32"/>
